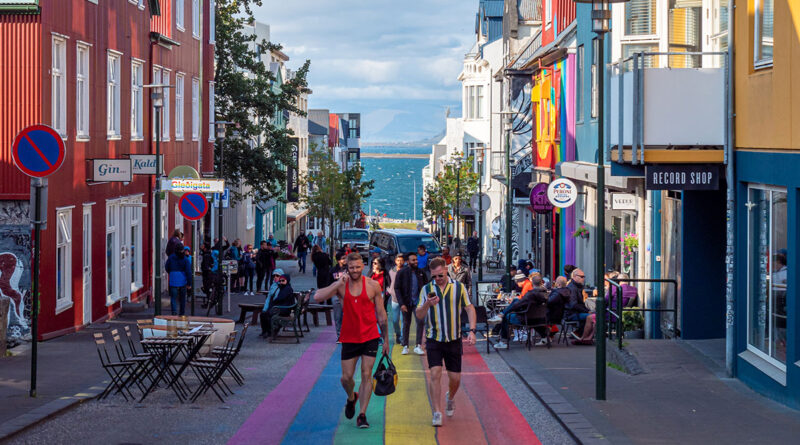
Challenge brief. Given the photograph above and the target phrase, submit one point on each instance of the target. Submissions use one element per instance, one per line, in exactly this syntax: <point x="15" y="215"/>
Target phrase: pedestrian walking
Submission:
<point x="322" y="264"/>
<point x="207" y="268"/>
<point x="391" y="291"/>
<point x="179" y="270"/>
<point x="301" y="246"/>
<point x="249" y="263"/>
<point x="409" y="281"/>
<point x="473" y="247"/>
<point x="234" y="253"/>
<point x="263" y="265"/>
<point x="339" y="269"/>
<point x="363" y="312"/>
<point x="442" y="301"/>
<point x="459" y="271"/>
<point x="175" y="243"/>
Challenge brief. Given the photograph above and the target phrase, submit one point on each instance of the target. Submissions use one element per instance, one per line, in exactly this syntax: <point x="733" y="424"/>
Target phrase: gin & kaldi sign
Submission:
<point x="682" y="176"/>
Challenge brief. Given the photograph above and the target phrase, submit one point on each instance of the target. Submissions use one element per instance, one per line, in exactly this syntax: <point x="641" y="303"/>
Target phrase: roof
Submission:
<point x="530" y="10"/>
<point x="492" y="8"/>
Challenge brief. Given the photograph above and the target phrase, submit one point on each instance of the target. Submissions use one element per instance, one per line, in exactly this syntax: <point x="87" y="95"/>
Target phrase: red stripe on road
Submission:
<point x="501" y="420"/>
<point x="39" y="152"/>
<point x="270" y="421"/>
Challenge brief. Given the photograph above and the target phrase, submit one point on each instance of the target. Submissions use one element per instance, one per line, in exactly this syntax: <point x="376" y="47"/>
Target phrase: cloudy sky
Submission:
<point x="395" y="62"/>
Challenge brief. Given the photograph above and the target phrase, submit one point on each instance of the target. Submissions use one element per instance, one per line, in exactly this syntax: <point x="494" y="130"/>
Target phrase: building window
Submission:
<point x="767" y="285"/>
<point x="112" y="247"/>
<point x="179" y="107"/>
<point x="195" y="110"/>
<point x="58" y="75"/>
<point x="479" y="102"/>
<point x="212" y="111"/>
<point x="113" y="94"/>
<point x="251" y="215"/>
<point x="762" y="49"/>
<point x="179" y="15"/>
<point x="594" y="79"/>
<point x="63" y="259"/>
<point x="579" y="79"/>
<point x="82" y="91"/>
<point x="548" y="13"/>
<point x="719" y="25"/>
<point x="134" y="244"/>
<point x="196" y="19"/>
<point x="640" y="17"/>
<point x="212" y="12"/>
<point x="137" y="113"/>
<point x="161" y="76"/>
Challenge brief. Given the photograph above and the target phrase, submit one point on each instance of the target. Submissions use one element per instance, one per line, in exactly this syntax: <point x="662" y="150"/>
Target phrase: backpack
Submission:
<point x="385" y="378"/>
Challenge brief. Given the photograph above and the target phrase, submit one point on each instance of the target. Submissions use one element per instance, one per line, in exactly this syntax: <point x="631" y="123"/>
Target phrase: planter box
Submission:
<point x="639" y="333"/>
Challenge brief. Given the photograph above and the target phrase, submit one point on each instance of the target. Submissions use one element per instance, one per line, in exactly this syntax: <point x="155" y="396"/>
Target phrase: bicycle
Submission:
<point x="217" y="293"/>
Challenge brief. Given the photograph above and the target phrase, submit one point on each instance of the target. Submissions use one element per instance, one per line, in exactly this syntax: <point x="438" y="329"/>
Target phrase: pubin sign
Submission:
<point x="562" y="193"/>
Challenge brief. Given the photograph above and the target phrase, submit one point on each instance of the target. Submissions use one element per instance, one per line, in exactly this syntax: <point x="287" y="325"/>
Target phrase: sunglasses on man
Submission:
<point x="441" y="275"/>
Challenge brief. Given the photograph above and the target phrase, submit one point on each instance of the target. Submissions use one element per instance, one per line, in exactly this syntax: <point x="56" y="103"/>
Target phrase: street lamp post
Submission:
<point x="458" y="199"/>
<point x="480" y="213"/>
<point x="509" y="202"/>
<point x="157" y="99"/>
<point x="601" y="17"/>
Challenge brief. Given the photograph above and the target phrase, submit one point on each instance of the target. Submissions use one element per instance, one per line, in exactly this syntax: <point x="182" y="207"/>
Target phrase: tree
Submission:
<point x="331" y="194"/>
<point x="247" y="93"/>
<point x="452" y="186"/>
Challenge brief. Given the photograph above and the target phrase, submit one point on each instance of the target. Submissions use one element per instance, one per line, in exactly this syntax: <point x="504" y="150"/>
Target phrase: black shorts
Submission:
<point x="353" y="350"/>
<point x="449" y="351"/>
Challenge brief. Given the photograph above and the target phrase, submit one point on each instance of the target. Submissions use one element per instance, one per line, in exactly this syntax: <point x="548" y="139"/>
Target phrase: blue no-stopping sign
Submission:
<point x="38" y="151"/>
<point x="193" y="206"/>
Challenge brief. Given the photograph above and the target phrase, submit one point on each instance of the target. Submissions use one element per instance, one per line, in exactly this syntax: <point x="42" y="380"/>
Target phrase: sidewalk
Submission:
<point x="681" y="397"/>
<point x="69" y="370"/>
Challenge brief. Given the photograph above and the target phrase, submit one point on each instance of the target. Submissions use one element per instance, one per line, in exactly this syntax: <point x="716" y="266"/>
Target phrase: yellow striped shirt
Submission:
<point x="443" y="321"/>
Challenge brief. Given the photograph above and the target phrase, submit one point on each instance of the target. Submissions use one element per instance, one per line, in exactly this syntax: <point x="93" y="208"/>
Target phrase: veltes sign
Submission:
<point x="111" y="170"/>
<point x="682" y="177"/>
<point x="623" y="201"/>
<point x="193" y="185"/>
<point x="145" y="164"/>
<point x="562" y="193"/>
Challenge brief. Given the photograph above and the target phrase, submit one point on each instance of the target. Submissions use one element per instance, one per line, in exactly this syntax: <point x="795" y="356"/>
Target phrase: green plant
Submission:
<point x="629" y="243"/>
<point x="581" y="231"/>
<point x="632" y="321"/>
<point x="615" y="366"/>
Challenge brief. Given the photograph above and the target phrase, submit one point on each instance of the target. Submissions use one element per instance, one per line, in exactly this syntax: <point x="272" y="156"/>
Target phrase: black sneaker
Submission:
<point x="350" y="407"/>
<point x="361" y="422"/>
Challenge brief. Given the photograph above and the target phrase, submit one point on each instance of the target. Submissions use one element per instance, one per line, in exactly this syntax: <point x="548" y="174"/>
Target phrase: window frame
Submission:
<point x="195" y="109"/>
<point x="212" y="111"/>
<point x="58" y="76"/>
<point x="64" y="241"/>
<point x="594" y="107"/>
<point x="760" y="62"/>
<point x="180" y="94"/>
<point x="767" y="357"/>
<point x="180" y="15"/>
<point x="136" y="256"/>
<point x="548" y="14"/>
<point x="196" y="19"/>
<point x="82" y="82"/>
<point x="112" y="228"/>
<point x="580" y="72"/>
<point x="137" y="100"/>
<point x="165" y="112"/>
<point x="113" y="95"/>
<point x="653" y="35"/>
<point x="212" y="17"/>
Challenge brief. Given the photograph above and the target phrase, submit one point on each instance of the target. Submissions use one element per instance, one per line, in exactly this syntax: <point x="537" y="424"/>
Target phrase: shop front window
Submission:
<point x="767" y="272"/>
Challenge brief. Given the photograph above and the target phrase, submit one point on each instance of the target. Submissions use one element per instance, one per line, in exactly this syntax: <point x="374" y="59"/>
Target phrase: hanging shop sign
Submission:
<point x="293" y="177"/>
<point x="562" y="193"/>
<point x="112" y="170"/>
<point x="145" y="164"/>
<point x="193" y="185"/>
<point x="682" y="176"/>
<point x="623" y="201"/>
<point x="539" y="201"/>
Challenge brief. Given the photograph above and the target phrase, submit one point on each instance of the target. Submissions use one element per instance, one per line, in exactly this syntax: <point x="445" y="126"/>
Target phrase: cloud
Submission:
<point x="384" y="55"/>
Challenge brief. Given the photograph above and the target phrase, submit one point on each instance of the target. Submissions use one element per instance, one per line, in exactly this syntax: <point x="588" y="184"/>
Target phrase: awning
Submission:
<point x="295" y="212"/>
<point x="586" y="172"/>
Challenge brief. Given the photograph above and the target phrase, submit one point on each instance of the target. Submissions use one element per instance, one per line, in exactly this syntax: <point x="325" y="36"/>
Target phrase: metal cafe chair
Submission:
<point x="118" y="371"/>
<point x="210" y="373"/>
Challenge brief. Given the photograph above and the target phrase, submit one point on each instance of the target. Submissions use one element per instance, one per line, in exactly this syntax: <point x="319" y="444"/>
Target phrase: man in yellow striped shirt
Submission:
<point x="442" y="300"/>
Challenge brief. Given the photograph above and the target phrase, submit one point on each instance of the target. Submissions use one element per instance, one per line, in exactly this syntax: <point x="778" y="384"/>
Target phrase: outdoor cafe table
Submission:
<point x="169" y="347"/>
<point x="223" y="328"/>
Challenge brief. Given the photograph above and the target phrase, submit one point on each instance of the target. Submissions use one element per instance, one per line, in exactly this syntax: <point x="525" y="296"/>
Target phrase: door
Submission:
<point x="87" y="264"/>
<point x="124" y="256"/>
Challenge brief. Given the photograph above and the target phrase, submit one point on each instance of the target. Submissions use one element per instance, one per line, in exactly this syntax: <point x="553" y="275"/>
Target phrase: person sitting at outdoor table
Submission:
<point x="272" y="293"/>
<point x="278" y="304"/>
<point x="523" y="284"/>
<point x="179" y="268"/>
<point x="576" y="310"/>
<point x="557" y="301"/>
<point x="537" y="295"/>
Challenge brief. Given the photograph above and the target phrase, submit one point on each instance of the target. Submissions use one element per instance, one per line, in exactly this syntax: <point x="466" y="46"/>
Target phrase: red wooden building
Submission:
<point x="79" y="67"/>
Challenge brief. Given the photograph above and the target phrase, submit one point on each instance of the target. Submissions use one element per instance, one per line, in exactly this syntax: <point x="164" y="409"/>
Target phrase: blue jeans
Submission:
<point x="396" y="321"/>
<point x="177" y="295"/>
<point x="301" y="261"/>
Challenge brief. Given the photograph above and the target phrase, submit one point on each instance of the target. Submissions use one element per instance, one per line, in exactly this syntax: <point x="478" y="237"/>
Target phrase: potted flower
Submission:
<point x="582" y="232"/>
<point x="629" y="244"/>
<point x="633" y="324"/>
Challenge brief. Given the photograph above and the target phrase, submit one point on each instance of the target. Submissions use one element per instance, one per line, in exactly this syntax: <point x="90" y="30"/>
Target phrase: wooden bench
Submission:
<point x="315" y="309"/>
<point x="255" y="308"/>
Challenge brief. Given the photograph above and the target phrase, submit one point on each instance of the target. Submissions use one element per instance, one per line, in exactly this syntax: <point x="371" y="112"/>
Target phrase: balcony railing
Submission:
<point x="498" y="166"/>
<point x="527" y="53"/>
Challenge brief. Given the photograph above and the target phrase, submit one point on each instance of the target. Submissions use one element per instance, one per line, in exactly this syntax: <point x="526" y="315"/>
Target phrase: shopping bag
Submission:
<point x="384" y="381"/>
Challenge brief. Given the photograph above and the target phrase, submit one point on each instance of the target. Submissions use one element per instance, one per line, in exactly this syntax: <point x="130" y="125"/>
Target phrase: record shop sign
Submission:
<point x="111" y="170"/>
<point x="682" y="176"/>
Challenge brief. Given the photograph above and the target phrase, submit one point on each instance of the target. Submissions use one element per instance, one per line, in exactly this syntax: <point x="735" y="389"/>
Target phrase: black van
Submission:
<point x="390" y="242"/>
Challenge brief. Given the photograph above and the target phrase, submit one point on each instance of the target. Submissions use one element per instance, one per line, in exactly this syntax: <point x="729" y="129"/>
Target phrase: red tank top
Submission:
<point x="359" y="323"/>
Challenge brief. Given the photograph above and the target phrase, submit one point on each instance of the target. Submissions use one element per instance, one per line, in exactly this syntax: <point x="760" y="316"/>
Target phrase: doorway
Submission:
<point x="87" y="264"/>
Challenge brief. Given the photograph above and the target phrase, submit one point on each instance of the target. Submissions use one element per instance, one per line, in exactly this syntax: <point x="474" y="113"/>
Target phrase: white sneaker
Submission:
<point x="418" y="350"/>
<point x="523" y="336"/>
<point x="495" y="319"/>
<point x="542" y="342"/>
<point x="501" y="345"/>
<point x="451" y="405"/>
<point x="516" y="337"/>
<point x="437" y="419"/>
<point x="405" y="350"/>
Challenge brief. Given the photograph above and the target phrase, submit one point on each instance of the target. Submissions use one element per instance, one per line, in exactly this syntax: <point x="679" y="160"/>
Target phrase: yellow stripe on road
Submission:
<point x="408" y="412"/>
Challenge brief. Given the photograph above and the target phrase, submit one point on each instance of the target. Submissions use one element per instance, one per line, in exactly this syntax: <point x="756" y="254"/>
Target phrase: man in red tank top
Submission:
<point x="362" y="311"/>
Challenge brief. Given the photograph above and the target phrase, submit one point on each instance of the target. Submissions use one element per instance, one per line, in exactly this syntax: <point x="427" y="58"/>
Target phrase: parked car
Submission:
<point x="355" y="238"/>
<point x="392" y="242"/>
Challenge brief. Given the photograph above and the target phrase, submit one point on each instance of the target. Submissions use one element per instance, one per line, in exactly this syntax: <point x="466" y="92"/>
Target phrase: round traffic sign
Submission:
<point x="193" y="206"/>
<point x="38" y="151"/>
<point x="485" y="203"/>
<point x="562" y="193"/>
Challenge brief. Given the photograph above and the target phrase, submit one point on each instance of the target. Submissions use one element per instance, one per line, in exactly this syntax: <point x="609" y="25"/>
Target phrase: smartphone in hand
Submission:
<point x="433" y="298"/>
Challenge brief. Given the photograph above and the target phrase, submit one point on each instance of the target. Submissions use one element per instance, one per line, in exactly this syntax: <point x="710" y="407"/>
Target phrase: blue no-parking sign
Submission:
<point x="38" y="151"/>
<point x="193" y="206"/>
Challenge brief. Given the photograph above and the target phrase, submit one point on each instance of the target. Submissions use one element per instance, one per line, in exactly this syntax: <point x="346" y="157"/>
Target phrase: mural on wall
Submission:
<point x="15" y="278"/>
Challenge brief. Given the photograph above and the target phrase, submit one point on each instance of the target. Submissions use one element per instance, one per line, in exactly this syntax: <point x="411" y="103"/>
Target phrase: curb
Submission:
<point x="576" y="425"/>
<point x="37" y="415"/>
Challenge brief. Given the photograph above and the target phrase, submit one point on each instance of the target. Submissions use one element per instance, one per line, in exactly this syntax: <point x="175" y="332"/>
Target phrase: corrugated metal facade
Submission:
<point x="162" y="24"/>
<point x="565" y="14"/>
<point x="529" y="10"/>
<point x="20" y="84"/>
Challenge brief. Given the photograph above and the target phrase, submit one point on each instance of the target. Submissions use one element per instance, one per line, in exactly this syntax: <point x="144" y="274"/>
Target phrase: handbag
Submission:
<point x="385" y="378"/>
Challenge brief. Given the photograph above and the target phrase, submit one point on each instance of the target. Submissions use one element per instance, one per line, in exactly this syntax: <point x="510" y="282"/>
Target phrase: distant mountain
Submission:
<point x="423" y="142"/>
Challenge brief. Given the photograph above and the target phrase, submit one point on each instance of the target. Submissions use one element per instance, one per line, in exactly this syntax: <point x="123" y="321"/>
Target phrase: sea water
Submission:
<point x="394" y="182"/>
